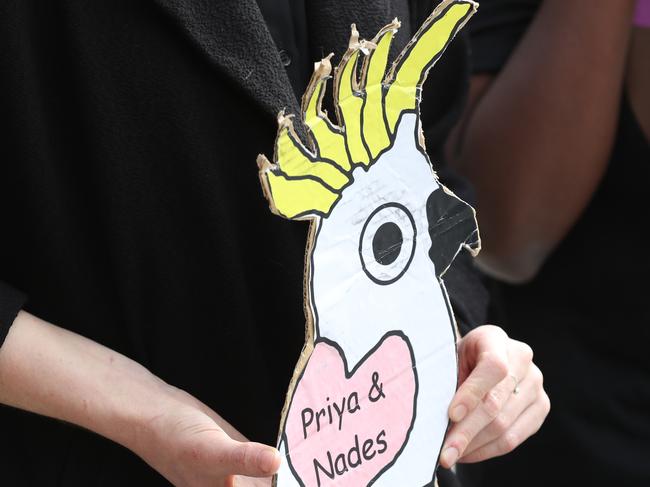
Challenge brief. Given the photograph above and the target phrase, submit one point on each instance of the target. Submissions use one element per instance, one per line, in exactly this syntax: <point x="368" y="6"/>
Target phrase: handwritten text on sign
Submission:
<point x="346" y="428"/>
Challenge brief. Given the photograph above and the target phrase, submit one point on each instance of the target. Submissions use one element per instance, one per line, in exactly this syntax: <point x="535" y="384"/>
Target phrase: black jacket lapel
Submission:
<point x="234" y="38"/>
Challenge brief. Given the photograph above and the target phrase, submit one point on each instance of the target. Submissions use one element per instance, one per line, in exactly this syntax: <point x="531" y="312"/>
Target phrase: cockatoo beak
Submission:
<point x="452" y="227"/>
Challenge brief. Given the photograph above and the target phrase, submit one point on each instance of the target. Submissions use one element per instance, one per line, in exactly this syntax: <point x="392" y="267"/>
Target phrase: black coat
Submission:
<point x="131" y="212"/>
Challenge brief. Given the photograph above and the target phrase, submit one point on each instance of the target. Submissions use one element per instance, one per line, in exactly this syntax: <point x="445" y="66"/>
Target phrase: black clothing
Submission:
<point x="129" y="191"/>
<point x="585" y="314"/>
<point x="287" y="24"/>
<point x="496" y="30"/>
<point x="11" y="301"/>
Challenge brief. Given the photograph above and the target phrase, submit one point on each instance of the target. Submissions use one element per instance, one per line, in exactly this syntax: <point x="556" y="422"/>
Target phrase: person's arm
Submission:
<point x="535" y="138"/>
<point x="54" y="372"/>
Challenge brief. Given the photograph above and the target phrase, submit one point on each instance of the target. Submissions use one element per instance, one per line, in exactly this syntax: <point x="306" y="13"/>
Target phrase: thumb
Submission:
<point x="248" y="458"/>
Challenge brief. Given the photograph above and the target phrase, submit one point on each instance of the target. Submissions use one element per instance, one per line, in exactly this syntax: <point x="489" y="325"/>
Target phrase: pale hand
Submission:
<point x="500" y="401"/>
<point x="48" y="370"/>
<point x="192" y="446"/>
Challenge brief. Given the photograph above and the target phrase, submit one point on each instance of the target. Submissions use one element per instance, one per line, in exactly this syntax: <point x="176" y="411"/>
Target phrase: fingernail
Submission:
<point x="449" y="456"/>
<point x="458" y="413"/>
<point x="268" y="460"/>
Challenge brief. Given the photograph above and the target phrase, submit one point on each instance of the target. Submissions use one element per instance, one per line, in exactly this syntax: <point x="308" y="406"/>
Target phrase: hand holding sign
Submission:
<point x="192" y="446"/>
<point x="490" y="418"/>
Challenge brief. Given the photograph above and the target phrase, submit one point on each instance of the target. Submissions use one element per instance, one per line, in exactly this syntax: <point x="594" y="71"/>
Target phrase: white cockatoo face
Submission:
<point x="377" y="258"/>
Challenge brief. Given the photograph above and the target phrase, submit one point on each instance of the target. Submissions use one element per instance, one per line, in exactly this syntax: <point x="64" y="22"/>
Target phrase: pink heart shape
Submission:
<point x="346" y="428"/>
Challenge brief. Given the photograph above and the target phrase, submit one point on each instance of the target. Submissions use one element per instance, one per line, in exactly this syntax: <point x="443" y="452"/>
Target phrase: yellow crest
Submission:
<point x="304" y="183"/>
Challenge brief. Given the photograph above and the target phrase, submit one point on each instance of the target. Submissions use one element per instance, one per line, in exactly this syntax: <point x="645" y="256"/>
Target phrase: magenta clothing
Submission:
<point x="642" y="13"/>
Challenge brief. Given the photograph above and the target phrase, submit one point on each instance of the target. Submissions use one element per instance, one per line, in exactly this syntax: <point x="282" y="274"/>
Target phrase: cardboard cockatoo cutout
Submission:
<point x="368" y="400"/>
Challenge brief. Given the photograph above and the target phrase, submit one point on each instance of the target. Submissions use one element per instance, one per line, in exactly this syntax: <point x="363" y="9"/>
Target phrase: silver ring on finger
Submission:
<point x="516" y="388"/>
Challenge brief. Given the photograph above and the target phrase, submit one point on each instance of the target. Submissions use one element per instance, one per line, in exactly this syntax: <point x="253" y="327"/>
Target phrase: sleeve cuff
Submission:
<point x="11" y="301"/>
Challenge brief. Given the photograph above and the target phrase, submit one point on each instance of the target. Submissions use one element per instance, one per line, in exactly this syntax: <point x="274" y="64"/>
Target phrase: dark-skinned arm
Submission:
<point x="535" y="139"/>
